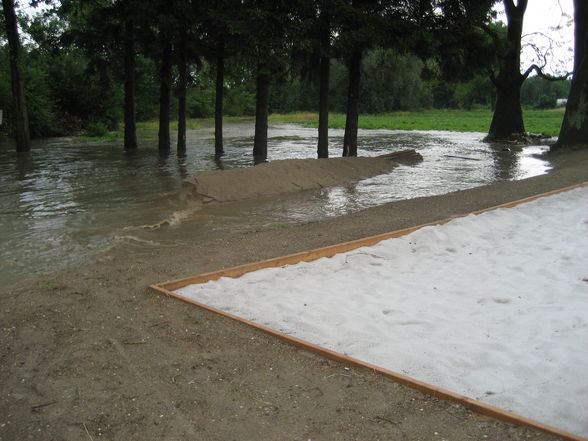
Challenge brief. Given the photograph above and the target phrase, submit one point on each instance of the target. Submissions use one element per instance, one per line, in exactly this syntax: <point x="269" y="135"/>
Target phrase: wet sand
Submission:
<point x="92" y="353"/>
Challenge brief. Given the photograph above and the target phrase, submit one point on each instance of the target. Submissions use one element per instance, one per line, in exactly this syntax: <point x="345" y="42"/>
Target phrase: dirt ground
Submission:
<point x="91" y="353"/>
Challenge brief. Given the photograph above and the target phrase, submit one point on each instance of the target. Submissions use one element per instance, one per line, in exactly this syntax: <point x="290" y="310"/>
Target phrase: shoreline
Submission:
<point x="91" y="350"/>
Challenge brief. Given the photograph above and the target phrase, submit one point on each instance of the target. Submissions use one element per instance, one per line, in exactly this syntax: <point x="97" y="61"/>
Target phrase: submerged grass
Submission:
<point x="536" y="121"/>
<point x="147" y="130"/>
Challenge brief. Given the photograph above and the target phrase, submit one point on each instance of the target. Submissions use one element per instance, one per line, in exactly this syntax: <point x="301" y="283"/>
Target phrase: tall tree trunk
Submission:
<point x="23" y="138"/>
<point x="508" y="113"/>
<point x="580" y="33"/>
<point x="350" y="137"/>
<point x="325" y="42"/>
<point x="130" y="141"/>
<point x="165" y="96"/>
<point x="323" y="128"/>
<point x="574" y="129"/>
<point x="261" y="115"/>
<point x="218" y="99"/>
<point x="182" y="86"/>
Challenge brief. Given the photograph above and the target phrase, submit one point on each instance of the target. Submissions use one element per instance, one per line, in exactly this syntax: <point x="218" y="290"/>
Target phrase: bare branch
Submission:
<point x="539" y="71"/>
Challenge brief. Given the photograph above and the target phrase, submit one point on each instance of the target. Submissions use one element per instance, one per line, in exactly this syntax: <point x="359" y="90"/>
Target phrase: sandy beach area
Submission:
<point x="91" y="353"/>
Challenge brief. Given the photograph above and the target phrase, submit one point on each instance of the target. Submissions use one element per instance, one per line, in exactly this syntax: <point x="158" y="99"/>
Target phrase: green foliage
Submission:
<point x="478" y="92"/>
<point x="546" y="102"/>
<point x="391" y="82"/>
<point x="200" y="103"/>
<point x="73" y="65"/>
<point x="537" y="92"/>
<point x="239" y="102"/>
<point x="96" y="129"/>
<point x="37" y="94"/>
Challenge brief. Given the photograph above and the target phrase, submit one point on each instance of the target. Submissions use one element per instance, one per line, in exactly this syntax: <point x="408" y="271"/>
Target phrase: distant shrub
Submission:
<point x="96" y="129"/>
<point x="546" y="102"/>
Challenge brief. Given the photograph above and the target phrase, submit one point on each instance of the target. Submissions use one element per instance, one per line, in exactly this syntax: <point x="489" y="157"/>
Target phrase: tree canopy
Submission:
<point x="89" y="66"/>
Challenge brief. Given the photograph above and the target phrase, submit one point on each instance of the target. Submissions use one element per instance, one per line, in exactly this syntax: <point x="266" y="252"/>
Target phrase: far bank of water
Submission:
<point x="68" y="200"/>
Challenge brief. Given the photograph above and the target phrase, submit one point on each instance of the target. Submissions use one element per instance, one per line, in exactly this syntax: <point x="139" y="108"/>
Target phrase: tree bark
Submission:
<point x="350" y="137"/>
<point x="574" y="129"/>
<point x="580" y="32"/>
<point x="508" y="113"/>
<point x="130" y="140"/>
<point x="182" y="86"/>
<point x="165" y="96"/>
<point x="218" y="100"/>
<point x="323" y="128"/>
<point x="23" y="138"/>
<point x="325" y="66"/>
<point x="261" y="116"/>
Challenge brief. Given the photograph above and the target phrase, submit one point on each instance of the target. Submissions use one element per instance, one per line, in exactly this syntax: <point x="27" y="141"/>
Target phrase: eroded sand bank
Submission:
<point x="285" y="176"/>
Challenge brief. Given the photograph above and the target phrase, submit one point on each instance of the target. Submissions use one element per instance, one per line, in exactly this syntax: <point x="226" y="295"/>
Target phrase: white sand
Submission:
<point x="494" y="306"/>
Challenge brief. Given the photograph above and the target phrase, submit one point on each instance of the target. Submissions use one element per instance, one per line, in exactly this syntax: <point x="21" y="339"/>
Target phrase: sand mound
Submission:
<point x="285" y="176"/>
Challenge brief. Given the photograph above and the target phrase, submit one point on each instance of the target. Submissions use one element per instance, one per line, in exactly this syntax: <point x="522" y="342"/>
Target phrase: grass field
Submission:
<point x="536" y="121"/>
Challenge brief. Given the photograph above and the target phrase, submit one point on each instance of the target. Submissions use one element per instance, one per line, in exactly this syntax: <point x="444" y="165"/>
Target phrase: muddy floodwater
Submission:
<point x="69" y="200"/>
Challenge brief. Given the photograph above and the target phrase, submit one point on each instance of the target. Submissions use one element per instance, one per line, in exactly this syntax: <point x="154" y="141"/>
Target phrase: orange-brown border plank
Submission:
<point x="167" y="288"/>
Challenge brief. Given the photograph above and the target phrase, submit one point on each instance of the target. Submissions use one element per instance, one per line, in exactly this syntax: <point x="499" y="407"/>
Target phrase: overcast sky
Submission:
<point x="553" y="18"/>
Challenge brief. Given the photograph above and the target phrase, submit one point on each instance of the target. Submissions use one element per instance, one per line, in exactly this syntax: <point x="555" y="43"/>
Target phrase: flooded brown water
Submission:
<point x="69" y="200"/>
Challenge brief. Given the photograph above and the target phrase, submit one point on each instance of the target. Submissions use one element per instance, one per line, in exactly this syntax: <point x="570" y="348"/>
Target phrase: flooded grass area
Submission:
<point x="68" y="200"/>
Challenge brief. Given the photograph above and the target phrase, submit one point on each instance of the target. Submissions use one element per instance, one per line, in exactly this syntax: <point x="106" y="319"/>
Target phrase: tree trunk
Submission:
<point x="508" y="113"/>
<point x="182" y="86"/>
<point x="165" y="96"/>
<point x="261" y="114"/>
<point x="130" y="141"/>
<point x="325" y="65"/>
<point x="580" y="32"/>
<point x="23" y="141"/>
<point x="218" y="100"/>
<point x="323" y="128"/>
<point x="350" y="137"/>
<point x="574" y="129"/>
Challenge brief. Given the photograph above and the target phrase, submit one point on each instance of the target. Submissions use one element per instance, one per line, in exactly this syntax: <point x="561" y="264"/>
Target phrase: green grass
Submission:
<point x="536" y="121"/>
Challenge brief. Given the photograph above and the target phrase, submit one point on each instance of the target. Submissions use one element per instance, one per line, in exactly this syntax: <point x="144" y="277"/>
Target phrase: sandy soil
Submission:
<point x="90" y="353"/>
<point x="285" y="176"/>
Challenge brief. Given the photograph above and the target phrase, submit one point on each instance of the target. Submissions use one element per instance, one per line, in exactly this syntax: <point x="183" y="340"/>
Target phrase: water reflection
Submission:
<point x="64" y="201"/>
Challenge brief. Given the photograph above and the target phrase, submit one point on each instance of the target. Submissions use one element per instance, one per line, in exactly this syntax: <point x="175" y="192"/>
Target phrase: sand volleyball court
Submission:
<point x="491" y="306"/>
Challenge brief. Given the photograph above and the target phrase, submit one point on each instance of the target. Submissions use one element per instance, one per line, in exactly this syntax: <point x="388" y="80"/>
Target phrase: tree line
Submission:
<point x="234" y="57"/>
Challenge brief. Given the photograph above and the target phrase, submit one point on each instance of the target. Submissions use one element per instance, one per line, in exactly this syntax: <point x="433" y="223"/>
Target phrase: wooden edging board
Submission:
<point x="169" y="287"/>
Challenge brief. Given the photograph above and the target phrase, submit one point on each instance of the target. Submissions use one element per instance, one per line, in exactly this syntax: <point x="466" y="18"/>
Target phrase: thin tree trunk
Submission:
<point x="130" y="141"/>
<point x="323" y="128"/>
<point x="261" y="116"/>
<point x="325" y="42"/>
<point x="23" y="141"/>
<point x="351" y="121"/>
<point x="165" y="96"/>
<point x="218" y="101"/>
<point x="182" y="86"/>
<point x="508" y="113"/>
<point x="574" y="130"/>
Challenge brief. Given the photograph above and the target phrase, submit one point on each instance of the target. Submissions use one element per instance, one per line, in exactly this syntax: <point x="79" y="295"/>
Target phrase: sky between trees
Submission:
<point x="545" y="20"/>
